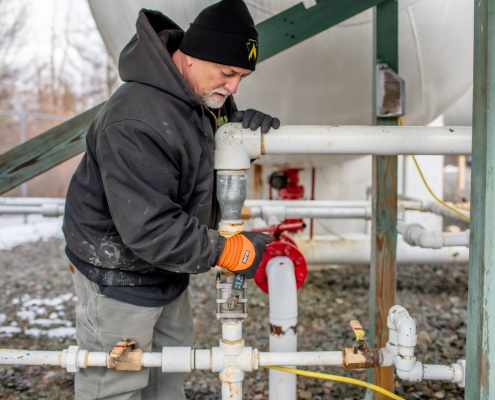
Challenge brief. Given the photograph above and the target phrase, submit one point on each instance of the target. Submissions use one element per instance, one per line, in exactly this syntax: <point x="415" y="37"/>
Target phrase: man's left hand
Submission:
<point x="253" y="119"/>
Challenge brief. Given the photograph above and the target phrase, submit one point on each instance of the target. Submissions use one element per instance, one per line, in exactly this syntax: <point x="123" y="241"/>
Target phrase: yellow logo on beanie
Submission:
<point x="252" y="46"/>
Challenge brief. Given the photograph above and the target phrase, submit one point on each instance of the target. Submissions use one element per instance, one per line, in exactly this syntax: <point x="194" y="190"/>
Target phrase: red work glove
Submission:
<point x="242" y="253"/>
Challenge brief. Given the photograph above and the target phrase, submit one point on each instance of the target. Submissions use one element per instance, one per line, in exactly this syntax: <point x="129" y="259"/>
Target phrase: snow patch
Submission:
<point x="14" y="232"/>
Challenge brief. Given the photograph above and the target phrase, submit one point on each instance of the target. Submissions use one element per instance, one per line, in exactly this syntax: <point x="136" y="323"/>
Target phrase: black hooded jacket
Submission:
<point x="141" y="205"/>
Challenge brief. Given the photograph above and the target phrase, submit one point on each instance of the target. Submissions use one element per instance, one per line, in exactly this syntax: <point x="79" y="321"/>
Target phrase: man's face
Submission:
<point x="214" y="82"/>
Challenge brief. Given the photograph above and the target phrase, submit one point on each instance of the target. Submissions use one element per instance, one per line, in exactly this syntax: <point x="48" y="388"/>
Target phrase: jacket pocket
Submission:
<point x="203" y="213"/>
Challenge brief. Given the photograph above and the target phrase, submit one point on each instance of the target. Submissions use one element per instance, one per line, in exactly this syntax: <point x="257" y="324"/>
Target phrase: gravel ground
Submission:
<point x="37" y="313"/>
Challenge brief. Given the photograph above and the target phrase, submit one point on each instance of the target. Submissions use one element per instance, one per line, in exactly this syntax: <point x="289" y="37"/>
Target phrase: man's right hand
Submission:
<point x="242" y="253"/>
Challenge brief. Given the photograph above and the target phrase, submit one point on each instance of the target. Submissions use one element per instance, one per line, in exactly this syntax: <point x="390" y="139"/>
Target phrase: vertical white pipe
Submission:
<point x="283" y="320"/>
<point x="231" y="390"/>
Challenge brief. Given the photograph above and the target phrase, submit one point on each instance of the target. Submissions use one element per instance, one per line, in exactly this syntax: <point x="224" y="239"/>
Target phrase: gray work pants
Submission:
<point x="101" y="322"/>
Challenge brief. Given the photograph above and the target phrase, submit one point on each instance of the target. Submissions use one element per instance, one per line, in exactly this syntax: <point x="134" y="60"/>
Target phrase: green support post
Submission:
<point x="384" y="203"/>
<point x="480" y="351"/>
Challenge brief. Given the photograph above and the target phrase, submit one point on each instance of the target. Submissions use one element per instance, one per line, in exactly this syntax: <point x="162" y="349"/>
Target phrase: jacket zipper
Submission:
<point x="216" y="127"/>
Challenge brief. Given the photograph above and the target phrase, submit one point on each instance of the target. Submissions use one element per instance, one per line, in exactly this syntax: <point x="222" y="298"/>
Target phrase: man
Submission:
<point x="141" y="207"/>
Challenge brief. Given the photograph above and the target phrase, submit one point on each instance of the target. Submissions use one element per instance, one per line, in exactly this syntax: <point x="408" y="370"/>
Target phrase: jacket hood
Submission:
<point x="147" y="57"/>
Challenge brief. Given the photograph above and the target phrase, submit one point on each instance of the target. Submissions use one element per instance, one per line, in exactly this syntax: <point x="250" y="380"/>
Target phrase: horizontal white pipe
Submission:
<point x="439" y="372"/>
<point x="439" y="209"/>
<point x="30" y="357"/>
<point x="416" y="235"/>
<point x="301" y="358"/>
<point x="151" y="359"/>
<point x="282" y="212"/>
<point x="20" y="209"/>
<point x="47" y="209"/>
<point x="355" y="249"/>
<point x="99" y="359"/>
<point x="309" y="203"/>
<point x="235" y="147"/>
<point x="366" y="140"/>
<point x="31" y="201"/>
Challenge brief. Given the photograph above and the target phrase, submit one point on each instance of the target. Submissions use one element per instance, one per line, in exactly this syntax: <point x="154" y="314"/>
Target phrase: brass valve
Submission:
<point x="360" y="356"/>
<point x="124" y="356"/>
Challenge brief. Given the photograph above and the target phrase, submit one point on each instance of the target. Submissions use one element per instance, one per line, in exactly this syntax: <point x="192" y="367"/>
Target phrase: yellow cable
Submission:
<point x="338" y="379"/>
<point x="443" y="203"/>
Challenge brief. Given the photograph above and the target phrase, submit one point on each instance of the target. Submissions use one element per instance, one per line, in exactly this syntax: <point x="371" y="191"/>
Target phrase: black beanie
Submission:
<point x="223" y="33"/>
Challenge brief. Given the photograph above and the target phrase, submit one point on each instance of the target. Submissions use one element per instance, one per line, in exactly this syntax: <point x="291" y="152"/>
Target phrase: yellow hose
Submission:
<point x="338" y="379"/>
<point x="443" y="203"/>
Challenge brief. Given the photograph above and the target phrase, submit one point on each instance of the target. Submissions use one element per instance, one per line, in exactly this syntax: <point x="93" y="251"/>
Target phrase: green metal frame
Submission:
<point x="480" y="352"/>
<point x="384" y="202"/>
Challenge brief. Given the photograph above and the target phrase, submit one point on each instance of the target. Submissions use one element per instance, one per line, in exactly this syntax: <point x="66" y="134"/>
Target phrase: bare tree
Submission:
<point x="12" y="24"/>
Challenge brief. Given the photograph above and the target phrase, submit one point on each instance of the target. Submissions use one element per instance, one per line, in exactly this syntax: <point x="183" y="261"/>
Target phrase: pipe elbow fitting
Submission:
<point x="415" y="374"/>
<point x="406" y="328"/>
<point x="235" y="147"/>
<point x="396" y="313"/>
<point x="430" y="240"/>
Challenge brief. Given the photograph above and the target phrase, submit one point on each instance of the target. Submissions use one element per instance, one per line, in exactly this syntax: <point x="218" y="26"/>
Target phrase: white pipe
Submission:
<point x="405" y="361"/>
<point x="235" y="147"/>
<point x="232" y="347"/>
<point x="282" y="212"/>
<point x="416" y="235"/>
<point x="99" y="359"/>
<point x="31" y="201"/>
<point x="282" y="291"/>
<point x="29" y="357"/>
<point x="440" y="372"/>
<point x="368" y="140"/>
<point x="45" y="209"/>
<point x="300" y="358"/>
<point x="439" y="209"/>
<point x="309" y="203"/>
<point x="355" y="249"/>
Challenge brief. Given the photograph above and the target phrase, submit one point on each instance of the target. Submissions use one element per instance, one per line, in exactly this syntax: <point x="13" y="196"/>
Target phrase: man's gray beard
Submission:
<point x="212" y="102"/>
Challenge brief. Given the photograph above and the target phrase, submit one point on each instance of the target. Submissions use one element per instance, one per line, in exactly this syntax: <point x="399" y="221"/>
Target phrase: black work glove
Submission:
<point x="253" y="119"/>
<point x="242" y="253"/>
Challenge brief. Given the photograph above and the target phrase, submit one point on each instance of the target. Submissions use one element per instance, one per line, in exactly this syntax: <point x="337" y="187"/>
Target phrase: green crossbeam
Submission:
<point x="45" y="151"/>
<point x="276" y="34"/>
<point x="297" y="23"/>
